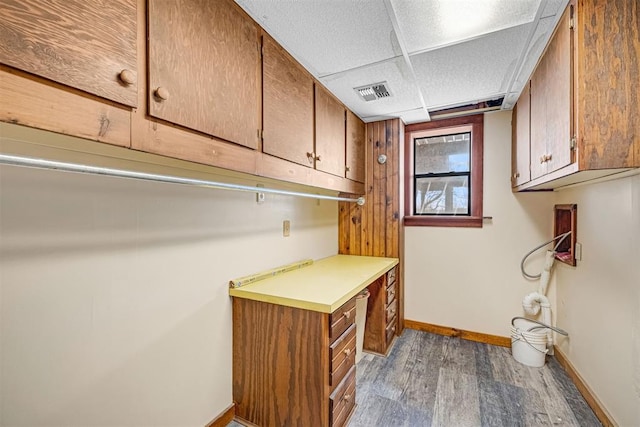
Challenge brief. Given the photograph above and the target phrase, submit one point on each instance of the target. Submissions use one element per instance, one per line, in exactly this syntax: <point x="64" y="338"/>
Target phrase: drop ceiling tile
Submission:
<point x="475" y="70"/>
<point x="328" y="36"/>
<point x="426" y="24"/>
<point x="404" y="92"/>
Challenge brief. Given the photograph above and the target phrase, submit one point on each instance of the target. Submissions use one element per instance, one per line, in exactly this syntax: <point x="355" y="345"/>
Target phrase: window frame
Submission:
<point x="475" y="125"/>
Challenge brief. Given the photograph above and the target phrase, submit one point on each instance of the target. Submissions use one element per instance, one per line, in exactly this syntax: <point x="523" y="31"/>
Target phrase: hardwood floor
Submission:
<point x="433" y="380"/>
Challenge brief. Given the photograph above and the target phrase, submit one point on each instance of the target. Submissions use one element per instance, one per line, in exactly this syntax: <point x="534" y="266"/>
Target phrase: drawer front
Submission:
<point x="391" y="292"/>
<point x="391" y="330"/>
<point x="342" y="318"/>
<point x="391" y="276"/>
<point x="343" y="356"/>
<point x="391" y="310"/>
<point x="342" y="401"/>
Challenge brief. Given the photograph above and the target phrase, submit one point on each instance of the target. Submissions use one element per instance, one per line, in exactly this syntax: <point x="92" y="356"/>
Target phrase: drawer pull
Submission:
<point x="162" y="93"/>
<point x="127" y="77"/>
<point x="347" y="397"/>
<point x="347" y="351"/>
<point x="347" y="314"/>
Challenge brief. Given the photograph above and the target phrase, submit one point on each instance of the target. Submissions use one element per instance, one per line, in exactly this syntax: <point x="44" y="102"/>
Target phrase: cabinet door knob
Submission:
<point x="347" y="168"/>
<point x="161" y="93"/>
<point x="516" y="175"/>
<point x="542" y="159"/>
<point x="318" y="158"/>
<point x="127" y="77"/>
<point x="310" y="156"/>
<point x="548" y="157"/>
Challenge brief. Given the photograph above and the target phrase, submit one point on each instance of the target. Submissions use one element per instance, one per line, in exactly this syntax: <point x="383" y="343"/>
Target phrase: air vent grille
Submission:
<point x="373" y="91"/>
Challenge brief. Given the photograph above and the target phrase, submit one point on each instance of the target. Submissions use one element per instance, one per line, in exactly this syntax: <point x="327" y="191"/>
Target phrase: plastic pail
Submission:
<point x="528" y="347"/>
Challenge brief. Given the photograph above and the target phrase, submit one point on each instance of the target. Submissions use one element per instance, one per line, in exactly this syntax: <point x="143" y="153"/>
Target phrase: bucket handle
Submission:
<point x="553" y="328"/>
<point x="531" y="345"/>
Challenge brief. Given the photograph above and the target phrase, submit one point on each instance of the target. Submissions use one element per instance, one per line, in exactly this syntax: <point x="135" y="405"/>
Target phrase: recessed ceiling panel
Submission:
<point x="400" y="83"/>
<point x="328" y="36"/>
<point x="475" y="70"/>
<point x="427" y="24"/>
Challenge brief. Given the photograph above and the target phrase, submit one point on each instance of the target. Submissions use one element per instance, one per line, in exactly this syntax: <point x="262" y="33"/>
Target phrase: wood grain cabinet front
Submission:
<point x="330" y="117"/>
<point x="204" y="68"/>
<point x="583" y="118"/>
<point x="88" y="45"/>
<point x="355" y="148"/>
<point x="382" y="309"/>
<point x="293" y="366"/>
<point x="288" y="106"/>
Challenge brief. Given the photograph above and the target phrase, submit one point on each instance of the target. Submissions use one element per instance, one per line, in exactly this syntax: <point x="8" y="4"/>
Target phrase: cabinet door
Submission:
<point x="522" y="140"/>
<point x="330" y="133"/>
<point x="86" y="44"/>
<point x="288" y="106"/>
<point x="204" y="68"/>
<point x="551" y="106"/>
<point x="355" y="147"/>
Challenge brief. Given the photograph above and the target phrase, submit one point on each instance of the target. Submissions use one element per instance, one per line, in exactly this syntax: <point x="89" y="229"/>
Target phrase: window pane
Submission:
<point x="442" y="195"/>
<point x="442" y="154"/>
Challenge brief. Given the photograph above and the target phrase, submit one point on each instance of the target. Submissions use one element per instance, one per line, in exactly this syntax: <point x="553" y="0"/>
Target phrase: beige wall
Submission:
<point x="600" y="298"/>
<point x="470" y="278"/>
<point x="113" y="293"/>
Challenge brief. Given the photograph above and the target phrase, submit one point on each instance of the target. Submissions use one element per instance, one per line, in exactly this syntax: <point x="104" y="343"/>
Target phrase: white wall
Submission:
<point x="600" y="298"/>
<point x="469" y="278"/>
<point x="113" y="293"/>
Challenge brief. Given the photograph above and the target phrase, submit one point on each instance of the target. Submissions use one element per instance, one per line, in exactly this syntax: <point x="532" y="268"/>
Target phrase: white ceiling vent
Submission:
<point x="373" y="91"/>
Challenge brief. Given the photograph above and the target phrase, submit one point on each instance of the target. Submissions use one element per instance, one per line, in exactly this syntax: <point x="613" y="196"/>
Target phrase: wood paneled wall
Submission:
<point x="375" y="229"/>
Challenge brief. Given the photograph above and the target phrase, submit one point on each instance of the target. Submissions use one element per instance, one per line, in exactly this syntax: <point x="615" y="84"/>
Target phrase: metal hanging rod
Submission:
<point x="97" y="170"/>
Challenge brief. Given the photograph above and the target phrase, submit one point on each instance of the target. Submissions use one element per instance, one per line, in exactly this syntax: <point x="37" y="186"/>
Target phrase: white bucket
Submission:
<point x="361" y="318"/>
<point x="528" y="347"/>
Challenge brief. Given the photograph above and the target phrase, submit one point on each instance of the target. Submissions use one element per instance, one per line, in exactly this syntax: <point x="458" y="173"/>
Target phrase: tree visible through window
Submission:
<point x="443" y="172"/>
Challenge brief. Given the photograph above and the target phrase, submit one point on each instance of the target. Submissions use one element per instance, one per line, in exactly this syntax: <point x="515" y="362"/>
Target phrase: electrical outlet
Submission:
<point x="286" y="228"/>
<point x="578" y="251"/>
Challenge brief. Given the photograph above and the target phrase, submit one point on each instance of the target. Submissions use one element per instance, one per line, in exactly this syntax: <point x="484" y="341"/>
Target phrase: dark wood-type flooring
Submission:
<point x="433" y="380"/>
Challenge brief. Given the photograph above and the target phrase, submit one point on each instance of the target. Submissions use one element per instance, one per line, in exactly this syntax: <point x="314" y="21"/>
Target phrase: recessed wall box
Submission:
<point x="565" y="219"/>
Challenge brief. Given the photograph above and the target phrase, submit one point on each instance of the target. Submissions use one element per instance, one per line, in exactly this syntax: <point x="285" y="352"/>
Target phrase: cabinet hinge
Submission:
<point x="572" y="143"/>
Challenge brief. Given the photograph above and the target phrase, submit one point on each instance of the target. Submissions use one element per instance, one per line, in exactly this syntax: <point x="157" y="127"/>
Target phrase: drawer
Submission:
<point x="343" y="356"/>
<point x="391" y="276"/>
<point x="391" y="292"/>
<point x="391" y="310"/>
<point x="342" y="401"/>
<point x="342" y="318"/>
<point x="390" y="331"/>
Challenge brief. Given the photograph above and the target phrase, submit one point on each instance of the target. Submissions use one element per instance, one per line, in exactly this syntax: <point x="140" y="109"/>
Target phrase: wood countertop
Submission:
<point x="323" y="285"/>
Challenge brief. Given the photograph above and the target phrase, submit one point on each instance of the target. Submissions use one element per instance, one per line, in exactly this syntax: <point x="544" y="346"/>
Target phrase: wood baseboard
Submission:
<point x="591" y="399"/>
<point x="224" y="418"/>
<point x="460" y="333"/>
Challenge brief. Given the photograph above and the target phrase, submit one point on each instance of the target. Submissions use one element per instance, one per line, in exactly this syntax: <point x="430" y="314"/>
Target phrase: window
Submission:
<point x="443" y="172"/>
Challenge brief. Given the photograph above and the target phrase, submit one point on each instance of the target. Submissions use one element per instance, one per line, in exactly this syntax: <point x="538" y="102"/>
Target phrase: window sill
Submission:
<point x="443" y="221"/>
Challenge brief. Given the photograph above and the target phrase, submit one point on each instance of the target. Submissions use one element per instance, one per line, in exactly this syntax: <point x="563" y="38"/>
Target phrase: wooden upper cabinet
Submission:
<point x="85" y="44"/>
<point x="521" y="142"/>
<point x="608" y="72"/>
<point x="204" y="68"/>
<point x="330" y="133"/>
<point x="288" y="106"/>
<point x="355" y="148"/>
<point x="551" y="103"/>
